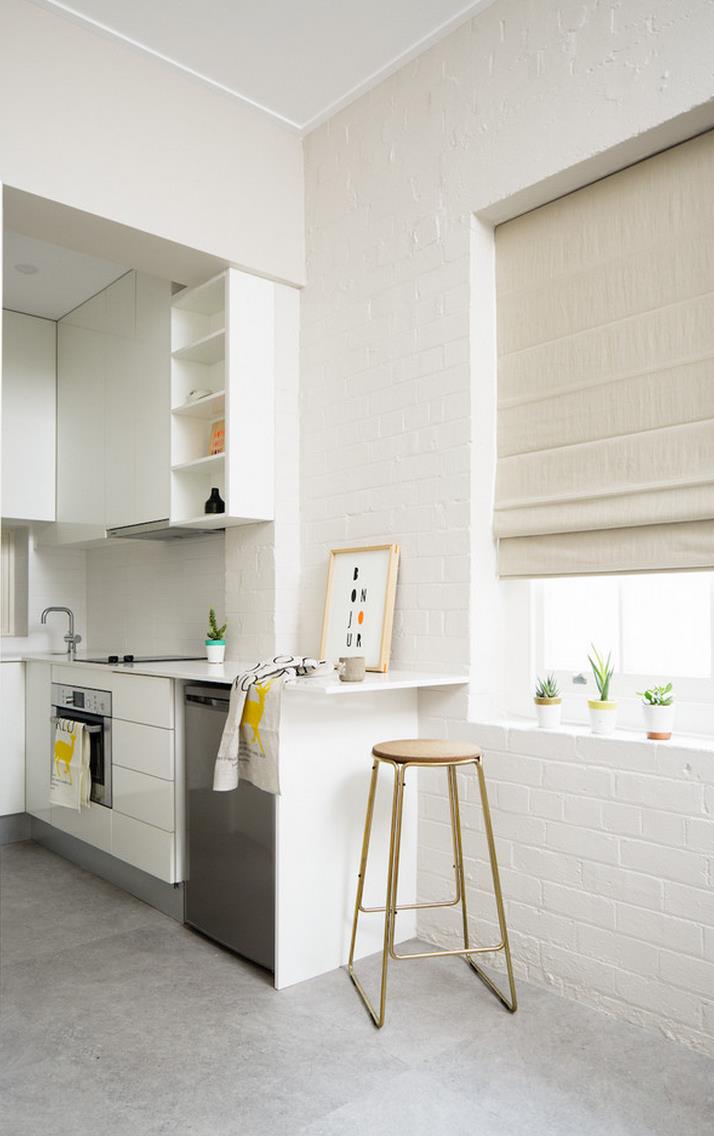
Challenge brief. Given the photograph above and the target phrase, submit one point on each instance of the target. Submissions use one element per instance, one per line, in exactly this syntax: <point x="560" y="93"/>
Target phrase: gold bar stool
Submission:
<point x="424" y="753"/>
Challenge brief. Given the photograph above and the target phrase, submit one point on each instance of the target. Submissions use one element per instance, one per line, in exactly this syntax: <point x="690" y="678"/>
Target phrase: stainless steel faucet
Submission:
<point x="70" y="638"/>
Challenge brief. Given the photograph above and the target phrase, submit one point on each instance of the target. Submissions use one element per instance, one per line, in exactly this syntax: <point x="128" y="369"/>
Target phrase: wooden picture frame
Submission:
<point x="359" y="604"/>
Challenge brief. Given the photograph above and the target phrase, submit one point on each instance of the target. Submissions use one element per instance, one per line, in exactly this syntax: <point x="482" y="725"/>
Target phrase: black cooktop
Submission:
<point x="127" y="660"/>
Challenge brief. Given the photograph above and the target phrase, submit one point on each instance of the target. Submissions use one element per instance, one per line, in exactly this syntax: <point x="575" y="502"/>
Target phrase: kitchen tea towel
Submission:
<point x="251" y="737"/>
<point x="70" y="776"/>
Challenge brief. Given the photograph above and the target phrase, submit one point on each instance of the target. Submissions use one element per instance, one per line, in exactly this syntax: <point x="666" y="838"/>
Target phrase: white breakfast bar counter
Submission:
<point x="327" y="731"/>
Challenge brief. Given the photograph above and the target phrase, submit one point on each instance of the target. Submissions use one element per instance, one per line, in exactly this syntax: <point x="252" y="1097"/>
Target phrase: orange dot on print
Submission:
<point x="360" y="617"/>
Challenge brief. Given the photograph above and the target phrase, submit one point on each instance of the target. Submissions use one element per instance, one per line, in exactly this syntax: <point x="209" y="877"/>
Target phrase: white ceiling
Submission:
<point x="63" y="280"/>
<point x="300" y="60"/>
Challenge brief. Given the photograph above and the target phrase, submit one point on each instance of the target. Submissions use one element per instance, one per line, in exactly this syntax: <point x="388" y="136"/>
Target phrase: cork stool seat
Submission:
<point x="402" y="755"/>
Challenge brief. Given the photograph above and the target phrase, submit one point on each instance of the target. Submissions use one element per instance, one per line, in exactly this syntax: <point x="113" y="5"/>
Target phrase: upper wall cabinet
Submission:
<point x="113" y="394"/>
<point x="28" y="417"/>
<point x="222" y="400"/>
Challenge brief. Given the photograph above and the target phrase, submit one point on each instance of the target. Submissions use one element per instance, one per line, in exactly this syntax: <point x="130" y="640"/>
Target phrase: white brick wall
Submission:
<point x="601" y="902"/>
<point x="397" y="444"/>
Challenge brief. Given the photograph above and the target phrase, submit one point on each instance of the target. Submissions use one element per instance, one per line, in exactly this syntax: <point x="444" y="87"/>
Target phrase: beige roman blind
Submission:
<point x="605" y="308"/>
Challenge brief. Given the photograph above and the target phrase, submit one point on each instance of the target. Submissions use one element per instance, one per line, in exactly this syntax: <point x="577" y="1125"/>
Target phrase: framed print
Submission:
<point x="359" y="604"/>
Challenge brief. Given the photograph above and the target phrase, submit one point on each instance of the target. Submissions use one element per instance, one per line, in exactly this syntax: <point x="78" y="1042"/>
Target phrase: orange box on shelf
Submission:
<point x="217" y="441"/>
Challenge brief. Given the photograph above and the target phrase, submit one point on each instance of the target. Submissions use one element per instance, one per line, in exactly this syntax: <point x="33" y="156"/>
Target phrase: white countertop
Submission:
<point x="327" y="682"/>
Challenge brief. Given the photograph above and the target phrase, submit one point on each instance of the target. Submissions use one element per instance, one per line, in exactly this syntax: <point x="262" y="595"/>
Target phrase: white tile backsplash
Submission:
<point x="56" y="576"/>
<point x="151" y="597"/>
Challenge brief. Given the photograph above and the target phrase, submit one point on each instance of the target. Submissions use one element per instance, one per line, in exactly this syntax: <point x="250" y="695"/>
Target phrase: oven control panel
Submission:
<point x="97" y="702"/>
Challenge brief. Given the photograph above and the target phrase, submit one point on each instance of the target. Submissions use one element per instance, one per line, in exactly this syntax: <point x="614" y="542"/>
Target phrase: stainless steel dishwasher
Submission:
<point x="230" y="890"/>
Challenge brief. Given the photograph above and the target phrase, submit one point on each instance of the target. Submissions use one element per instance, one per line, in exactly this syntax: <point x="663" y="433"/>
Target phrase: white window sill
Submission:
<point x="521" y="735"/>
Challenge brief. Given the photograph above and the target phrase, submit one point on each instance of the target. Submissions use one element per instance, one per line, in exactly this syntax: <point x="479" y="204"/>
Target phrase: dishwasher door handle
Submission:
<point x="213" y="703"/>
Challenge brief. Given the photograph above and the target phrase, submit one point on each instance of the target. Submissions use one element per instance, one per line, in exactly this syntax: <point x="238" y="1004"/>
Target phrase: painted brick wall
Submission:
<point x="606" y="850"/>
<point x="397" y="441"/>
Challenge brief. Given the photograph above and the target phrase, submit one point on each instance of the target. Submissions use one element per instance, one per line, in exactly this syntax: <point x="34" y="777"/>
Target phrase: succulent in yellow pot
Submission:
<point x="603" y="711"/>
<point x="548" y="703"/>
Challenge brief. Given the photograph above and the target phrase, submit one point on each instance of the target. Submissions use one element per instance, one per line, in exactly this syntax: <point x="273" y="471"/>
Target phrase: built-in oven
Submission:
<point x="94" y="709"/>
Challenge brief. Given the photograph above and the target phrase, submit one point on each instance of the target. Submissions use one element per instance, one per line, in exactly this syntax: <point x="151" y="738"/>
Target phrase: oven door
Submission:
<point x="100" y="751"/>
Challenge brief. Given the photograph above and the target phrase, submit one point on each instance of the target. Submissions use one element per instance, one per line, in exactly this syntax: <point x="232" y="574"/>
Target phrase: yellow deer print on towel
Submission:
<point x="253" y="711"/>
<point x="64" y="752"/>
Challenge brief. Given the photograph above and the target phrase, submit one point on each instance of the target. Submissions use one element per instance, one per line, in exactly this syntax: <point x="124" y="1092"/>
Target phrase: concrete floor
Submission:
<point x="116" y="1020"/>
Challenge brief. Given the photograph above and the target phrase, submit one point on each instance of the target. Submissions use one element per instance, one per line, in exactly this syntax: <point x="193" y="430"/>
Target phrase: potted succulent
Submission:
<point x="547" y="702"/>
<point x="215" y="643"/>
<point x="658" y="708"/>
<point x="603" y="712"/>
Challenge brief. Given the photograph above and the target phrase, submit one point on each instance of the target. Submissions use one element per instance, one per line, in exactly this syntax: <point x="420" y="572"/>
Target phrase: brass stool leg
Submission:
<point x="458" y="849"/>
<point x="363" y="857"/>
<point x="511" y="1005"/>
<point x="390" y="901"/>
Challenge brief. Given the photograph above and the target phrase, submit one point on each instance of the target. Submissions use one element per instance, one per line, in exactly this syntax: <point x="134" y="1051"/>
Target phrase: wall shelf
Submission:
<point x="199" y="464"/>
<point x="207" y="408"/>
<point x="208" y="349"/>
<point x="223" y="341"/>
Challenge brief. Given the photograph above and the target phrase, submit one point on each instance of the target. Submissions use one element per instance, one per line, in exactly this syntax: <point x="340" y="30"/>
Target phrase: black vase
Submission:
<point x="215" y="503"/>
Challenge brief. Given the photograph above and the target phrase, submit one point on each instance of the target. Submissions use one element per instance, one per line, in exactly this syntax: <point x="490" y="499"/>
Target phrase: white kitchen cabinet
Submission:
<point x="12" y="716"/>
<point x="93" y="825"/>
<point x="137" y="399"/>
<point x="144" y="846"/>
<point x="149" y="799"/>
<point x="29" y="409"/>
<point x="113" y="397"/>
<point x="147" y="749"/>
<point x="38" y="738"/>
<point x="80" y="426"/>
<point x="142" y="699"/>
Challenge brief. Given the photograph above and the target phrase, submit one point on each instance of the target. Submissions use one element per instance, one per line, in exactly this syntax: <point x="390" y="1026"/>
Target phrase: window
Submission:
<point x="13" y="582"/>
<point x="658" y="627"/>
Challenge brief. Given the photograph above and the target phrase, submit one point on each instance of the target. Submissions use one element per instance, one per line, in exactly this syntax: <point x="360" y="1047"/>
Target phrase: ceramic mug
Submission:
<point x="351" y="668"/>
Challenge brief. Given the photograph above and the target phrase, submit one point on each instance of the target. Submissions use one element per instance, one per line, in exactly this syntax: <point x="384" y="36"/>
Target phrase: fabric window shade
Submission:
<point x="605" y="307"/>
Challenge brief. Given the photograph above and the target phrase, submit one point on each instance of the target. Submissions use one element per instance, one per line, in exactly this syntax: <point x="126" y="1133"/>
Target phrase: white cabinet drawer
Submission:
<point x="148" y="848"/>
<point x="147" y="749"/>
<point x="145" y="798"/>
<point x="140" y="698"/>
<point x="93" y="825"/>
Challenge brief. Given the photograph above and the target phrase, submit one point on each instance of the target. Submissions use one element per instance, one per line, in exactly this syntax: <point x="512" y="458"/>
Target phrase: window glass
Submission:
<point x="666" y="624"/>
<point x="657" y="625"/>
<point x="578" y="611"/>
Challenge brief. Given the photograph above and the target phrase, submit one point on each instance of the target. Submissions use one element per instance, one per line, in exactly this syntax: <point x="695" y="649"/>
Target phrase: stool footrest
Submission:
<point x="410" y="906"/>
<point x="464" y="952"/>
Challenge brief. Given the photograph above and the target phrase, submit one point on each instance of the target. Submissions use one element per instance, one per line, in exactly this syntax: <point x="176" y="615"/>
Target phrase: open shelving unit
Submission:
<point x="222" y="367"/>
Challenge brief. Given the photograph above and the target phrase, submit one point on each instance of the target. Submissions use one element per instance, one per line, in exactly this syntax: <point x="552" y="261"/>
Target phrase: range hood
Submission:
<point x="159" y="530"/>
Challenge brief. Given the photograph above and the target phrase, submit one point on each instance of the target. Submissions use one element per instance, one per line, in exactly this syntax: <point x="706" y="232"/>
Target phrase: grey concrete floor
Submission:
<point x="116" y="1020"/>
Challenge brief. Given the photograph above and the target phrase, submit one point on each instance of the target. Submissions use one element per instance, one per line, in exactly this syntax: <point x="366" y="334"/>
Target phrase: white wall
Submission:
<point x="152" y="597"/>
<point x="96" y="124"/>
<point x="398" y="374"/>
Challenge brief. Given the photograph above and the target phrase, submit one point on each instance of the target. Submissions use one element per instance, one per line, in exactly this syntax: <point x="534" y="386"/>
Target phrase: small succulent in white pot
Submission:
<point x="658" y="709"/>
<point x="603" y="711"/>
<point x="215" y="643"/>
<point x="548" y="703"/>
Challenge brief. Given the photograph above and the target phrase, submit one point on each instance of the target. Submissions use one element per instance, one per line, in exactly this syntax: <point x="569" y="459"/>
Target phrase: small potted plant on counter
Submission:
<point x="603" y="712"/>
<point x="658" y="708"/>
<point x="215" y="643"/>
<point x="547" y="703"/>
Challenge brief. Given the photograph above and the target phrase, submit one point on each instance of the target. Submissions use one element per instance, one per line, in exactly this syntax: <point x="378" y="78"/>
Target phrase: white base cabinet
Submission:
<point x="12" y="761"/>
<point x="144" y="827"/>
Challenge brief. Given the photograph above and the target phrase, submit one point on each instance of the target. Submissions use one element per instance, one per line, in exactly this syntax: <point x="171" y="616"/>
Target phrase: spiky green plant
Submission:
<point x="658" y="695"/>
<point x="603" y="671"/>
<point x="547" y="687"/>
<point x="214" y="631"/>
